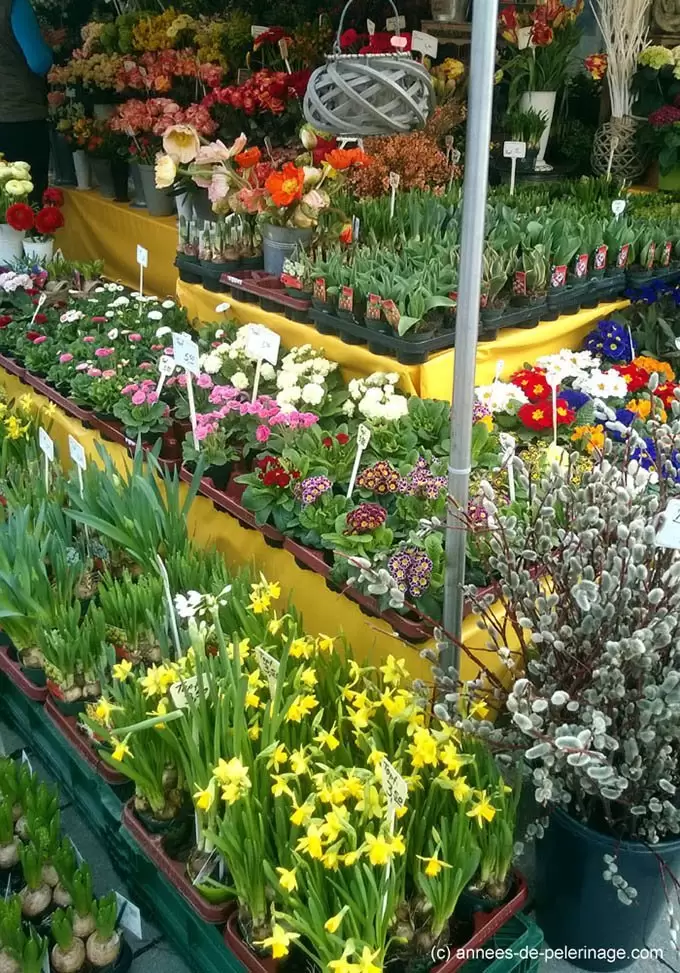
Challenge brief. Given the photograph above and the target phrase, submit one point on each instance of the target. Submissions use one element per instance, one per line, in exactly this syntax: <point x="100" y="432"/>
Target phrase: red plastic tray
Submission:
<point x="13" y="670"/>
<point x="312" y="559"/>
<point x="174" y="871"/>
<point x="41" y="386"/>
<point x="263" y="285"/>
<point x="68" y="727"/>
<point x="252" y="962"/>
<point x="12" y="367"/>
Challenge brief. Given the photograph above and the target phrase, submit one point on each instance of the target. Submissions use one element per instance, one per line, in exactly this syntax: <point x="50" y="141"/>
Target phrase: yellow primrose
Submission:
<point x="204" y="798"/>
<point x="434" y="864"/>
<point x="333" y="924"/>
<point x="279" y="941"/>
<point x="328" y="739"/>
<point x="121" y="749"/>
<point x="278" y="758"/>
<point x="394" y="671"/>
<point x="311" y="843"/>
<point x="121" y="670"/>
<point x="483" y="810"/>
<point x="288" y="878"/>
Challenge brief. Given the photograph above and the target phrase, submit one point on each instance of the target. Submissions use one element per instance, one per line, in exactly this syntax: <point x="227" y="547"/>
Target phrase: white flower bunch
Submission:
<point x="303" y="377"/>
<point x="568" y="364"/>
<point x="232" y="360"/>
<point x="11" y="282"/>
<point x="602" y="385"/>
<point x="375" y="398"/>
<point x="501" y="397"/>
<point x="70" y="317"/>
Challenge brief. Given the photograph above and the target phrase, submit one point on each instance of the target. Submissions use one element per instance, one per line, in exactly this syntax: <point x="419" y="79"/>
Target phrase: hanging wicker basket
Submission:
<point x="616" y="140"/>
<point x="357" y="95"/>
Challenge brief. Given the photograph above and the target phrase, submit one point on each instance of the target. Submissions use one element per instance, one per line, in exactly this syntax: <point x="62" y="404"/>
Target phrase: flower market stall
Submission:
<point x="321" y="640"/>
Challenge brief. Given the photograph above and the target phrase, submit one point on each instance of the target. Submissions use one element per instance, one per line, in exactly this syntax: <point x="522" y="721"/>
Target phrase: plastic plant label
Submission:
<point x="651" y="255"/>
<point x="186" y="690"/>
<point x="667" y="251"/>
<point x="142" y="256"/>
<point x="519" y="284"/>
<point x="363" y="437"/>
<point x="373" y="307"/>
<point x="25" y="760"/>
<point x="46" y="444"/>
<point x="346" y="301"/>
<point x="166" y="365"/>
<point x="514" y="150"/>
<point x="320" y="289"/>
<point x="668" y="534"/>
<point x="283" y="48"/>
<point x="394" y="180"/>
<point x="395" y="23"/>
<point x="206" y="870"/>
<point x="581" y="266"/>
<point x="263" y="344"/>
<point x="392" y="313"/>
<point x="129" y="916"/>
<point x="600" y="261"/>
<point x="76" y="852"/>
<point x="291" y="281"/>
<point x="269" y="666"/>
<point x="370" y="27"/>
<point x="456" y="156"/>
<point x="619" y="207"/>
<point x="425" y="43"/>
<point x="622" y="259"/>
<point x="396" y="790"/>
<point x="77" y="453"/>
<point x="186" y="353"/>
<point x="256" y="30"/>
<point x="558" y="278"/>
<point x="356" y="227"/>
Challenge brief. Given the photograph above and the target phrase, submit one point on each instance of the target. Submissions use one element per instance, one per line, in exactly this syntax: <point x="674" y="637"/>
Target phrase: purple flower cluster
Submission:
<point x="421" y="482"/>
<point x="366" y="518"/>
<point x="480" y="411"/>
<point x="380" y="478"/>
<point x="412" y="570"/>
<point x="308" y="491"/>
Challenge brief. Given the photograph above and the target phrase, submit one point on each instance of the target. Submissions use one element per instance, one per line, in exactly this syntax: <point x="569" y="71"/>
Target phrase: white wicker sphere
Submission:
<point x="369" y="94"/>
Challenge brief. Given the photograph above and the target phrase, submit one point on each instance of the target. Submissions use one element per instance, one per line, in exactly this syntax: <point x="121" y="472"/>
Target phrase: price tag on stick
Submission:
<point x="363" y="439"/>
<point x="166" y="367"/>
<point x="187" y="357"/>
<point x="41" y="301"/>
<point x="370" y="26"/>
<point x="129" y="916"/>
<point x="508" y="446"/>
<point x="425" y="43"/>
<point x="47" y="447"/>
<point x="395" y="23"/>
<point x="394" y="179"/>
<point x="514" y="151"/>
<point x="668" y="534"/>
<point x="262" y="344"/>
<point x="143" y="261"/>
<point x="269" y="667"/>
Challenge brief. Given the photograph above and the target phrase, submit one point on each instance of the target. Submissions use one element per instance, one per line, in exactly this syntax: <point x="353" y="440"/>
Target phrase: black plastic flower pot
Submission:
<point x="120" y="172"/>
<point x="637" y="277"/>
<point x="577" y="908"/>
<point x="377" y="324"/>
<point x="219" y="475"/>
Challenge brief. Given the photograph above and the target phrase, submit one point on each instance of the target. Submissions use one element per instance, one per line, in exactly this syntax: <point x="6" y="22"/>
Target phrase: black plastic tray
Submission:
<point x="406" y="352"/>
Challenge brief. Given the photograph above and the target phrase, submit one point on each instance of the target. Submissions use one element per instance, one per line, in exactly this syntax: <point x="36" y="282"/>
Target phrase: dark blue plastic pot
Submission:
<point x="578" y="909"/>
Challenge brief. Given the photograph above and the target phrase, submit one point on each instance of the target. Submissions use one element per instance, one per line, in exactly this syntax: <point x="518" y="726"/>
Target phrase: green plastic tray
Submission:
<point x="520" y="939"/>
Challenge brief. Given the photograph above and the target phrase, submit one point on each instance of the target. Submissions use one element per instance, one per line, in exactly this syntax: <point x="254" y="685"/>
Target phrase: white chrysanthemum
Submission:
<point x="240" y="380"/>
<point x="312" y="394"/>
<point x="349" y="408"/>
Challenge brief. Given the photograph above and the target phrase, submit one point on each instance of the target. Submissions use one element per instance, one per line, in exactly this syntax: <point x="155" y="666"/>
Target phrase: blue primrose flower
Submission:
<point x="645" y="455"/>
<point x="574" y="398"/>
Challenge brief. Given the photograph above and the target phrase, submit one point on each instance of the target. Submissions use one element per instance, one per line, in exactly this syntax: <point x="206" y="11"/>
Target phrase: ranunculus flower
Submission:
<point x="165" y="171"/>
<point x="48" y="220"/>
<point x="181" y="142"/>
<point x="20" y="216"/>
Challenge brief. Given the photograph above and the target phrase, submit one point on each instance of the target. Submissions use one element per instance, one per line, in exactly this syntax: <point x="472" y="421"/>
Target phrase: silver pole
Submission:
<point x="480" y="103"/>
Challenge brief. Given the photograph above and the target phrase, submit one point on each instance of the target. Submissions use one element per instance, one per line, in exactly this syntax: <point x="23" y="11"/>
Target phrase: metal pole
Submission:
<point x="480" y="103"/>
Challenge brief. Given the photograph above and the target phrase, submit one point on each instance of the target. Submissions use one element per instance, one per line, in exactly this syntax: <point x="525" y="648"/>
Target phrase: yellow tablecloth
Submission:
<point x="323" y="610"/>
<point x="434" y="379"/>
<point x="99" y="229"/>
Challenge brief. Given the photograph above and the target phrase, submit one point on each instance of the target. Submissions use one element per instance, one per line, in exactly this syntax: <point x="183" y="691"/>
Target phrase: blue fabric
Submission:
<point x="27" y="32"/>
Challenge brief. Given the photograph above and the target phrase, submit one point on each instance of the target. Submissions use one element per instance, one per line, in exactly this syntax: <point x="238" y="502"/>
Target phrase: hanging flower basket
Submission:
<point x="368" y="94"/>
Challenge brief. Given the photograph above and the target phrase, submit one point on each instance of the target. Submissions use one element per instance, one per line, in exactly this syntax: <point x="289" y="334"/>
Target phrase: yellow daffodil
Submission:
<point x="255" y="681"/>
<point x="361" y="718"/>
<point x="376" y="757"/>
<point x="232" y="772"/>
<point x="299" y="762"/>
<point x="366" y="961"/>
<point x="379" y="849"/>
<point x="423" y="750"/>
<point x="371" y="803"/>
<point x="121" y="749"/>
<point x="354" y="672"/>
<point x="308" y="677"/>
<point x="351" y="858"/>
<point x="204" y="798"/>
<point x="311" y="843"/>
<point x="254" y="731"/>
<point x="167" y="677"/>
<point x="341" y="965"/>
<point x="279" y="941"/>
<point x="480" y="709"/>
<point x="288" y="879"/>
<point x="398" y="846"/>
<point x="333" y="924"/>
<point x="103" y="711"/>
<point x="301" y="648"/>
<point x="259" y="604"/>
<point x="161" y="710"/>
<point x="434" y="865"/>
<point x="151" y="682"/>
<point x="280" y="786"/>
<point x="414" y="782"/>
<point x="300" y="707"/>
<point x="276" y="624"/>
<point x="273" y="590"/>
<point x="331" y="859"/>
<point x="461" y="790"/>
<point x="483" y="810"/>
<point x="415" y="721"/>
<point x="302" y="814"/>
<point x="354" y="787"/>
<point x="401" y="811"/>
<point x="253" y="701"/>
<point x="333" y="793"/>
<point x="327" y="739"/>
<point x="336" y="822"/>
<point x="394" y="706"/>
<point x="451" y="758"/>
<point x="243" y="649"/>
<point x="121" y="670"/>
<point x="325" y="643"/>
<point x="394" y="671"/>
<point x="278" y="758"/>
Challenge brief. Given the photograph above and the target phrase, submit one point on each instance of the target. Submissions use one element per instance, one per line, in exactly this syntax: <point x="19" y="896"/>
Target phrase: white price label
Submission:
<point x="46" y="444"/>
<point x="77" y="453"/>
<point x="426" y="43"/>
<point x="269" y="667"/>
<point x="186" y="353"/>
<point x="394" y="785"/>
<point x="255" y="30"/>
<point x="129" y="916"/>
<point x="182" y="692"/>
<point x="142" y="256"/>
<point x="619" y="207"/>
<point x="394" y="180"/>
<point x="668" y="534"/>
<point x="514" y="150"/>
<point x="25" y="760"/>
<point x="76" y="852"/>
<point x="395" y="23"/>
<point x="455" y="156"/>
<point x="166" y="365"/>
<point x="262" y="344"/>
<point x="370" y="26"/>
<point x="363" y="437"/>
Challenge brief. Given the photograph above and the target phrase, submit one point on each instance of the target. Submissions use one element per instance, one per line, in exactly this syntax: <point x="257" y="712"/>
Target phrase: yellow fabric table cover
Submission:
<point x="432" y="380"/>
<point x="97" y="228"/>
<point x="323" y="610"/>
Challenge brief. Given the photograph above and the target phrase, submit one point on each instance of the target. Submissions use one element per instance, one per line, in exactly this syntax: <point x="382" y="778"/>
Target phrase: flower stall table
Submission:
<point x="97" y="228"/>
<point x="431" y="380"/>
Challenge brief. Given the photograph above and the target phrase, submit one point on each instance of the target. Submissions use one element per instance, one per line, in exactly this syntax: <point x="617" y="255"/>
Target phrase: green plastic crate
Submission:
<point x="200" y="944"/>
<point x="520" y="939"/>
